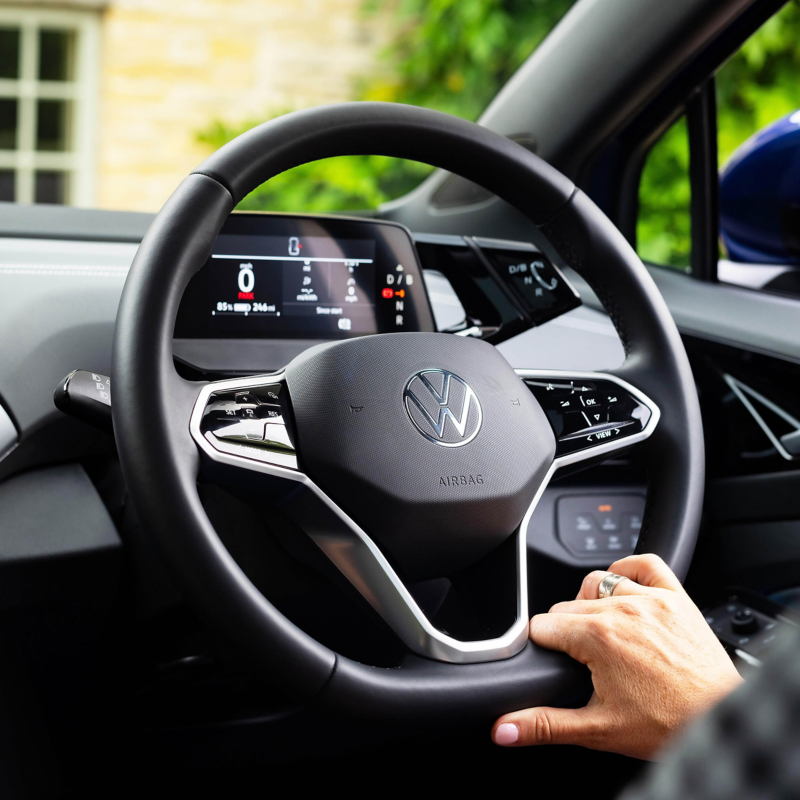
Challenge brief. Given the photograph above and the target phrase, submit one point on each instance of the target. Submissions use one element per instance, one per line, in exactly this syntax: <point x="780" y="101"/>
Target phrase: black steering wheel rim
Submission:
<point x="152" y="403"/>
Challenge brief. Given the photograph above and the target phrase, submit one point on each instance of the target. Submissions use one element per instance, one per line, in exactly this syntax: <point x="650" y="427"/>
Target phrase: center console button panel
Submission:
<point x="587" y="413"/>
<point x="744" y="622"/>
<point x="600" y="526"/>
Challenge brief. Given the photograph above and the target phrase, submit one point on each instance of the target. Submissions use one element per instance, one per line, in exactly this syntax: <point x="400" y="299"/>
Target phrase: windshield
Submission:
<point x="112" y="104"/>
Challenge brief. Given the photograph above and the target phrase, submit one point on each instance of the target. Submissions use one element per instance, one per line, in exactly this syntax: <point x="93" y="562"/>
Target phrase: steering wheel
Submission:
<point x="367" y="487"/>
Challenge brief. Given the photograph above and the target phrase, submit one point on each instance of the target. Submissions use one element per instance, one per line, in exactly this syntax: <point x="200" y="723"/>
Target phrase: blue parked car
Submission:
<point x="760" y="196"/>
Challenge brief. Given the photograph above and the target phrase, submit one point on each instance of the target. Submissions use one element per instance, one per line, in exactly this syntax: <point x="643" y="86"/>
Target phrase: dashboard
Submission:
<point x="242" y="314"/>
<point x="295" y="280"/>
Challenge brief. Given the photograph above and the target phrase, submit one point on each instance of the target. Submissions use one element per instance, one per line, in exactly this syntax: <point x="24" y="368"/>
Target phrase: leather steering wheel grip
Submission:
<point x="152" y="404"/>
<point x="656" y="363"/>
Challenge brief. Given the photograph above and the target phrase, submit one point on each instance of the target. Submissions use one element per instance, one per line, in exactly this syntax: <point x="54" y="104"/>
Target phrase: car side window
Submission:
<point x="744" y="122"/>
<point x="758" y="136"/>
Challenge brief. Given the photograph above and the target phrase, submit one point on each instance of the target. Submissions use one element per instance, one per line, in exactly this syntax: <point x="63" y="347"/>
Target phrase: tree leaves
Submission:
<point x="451" y="55"/>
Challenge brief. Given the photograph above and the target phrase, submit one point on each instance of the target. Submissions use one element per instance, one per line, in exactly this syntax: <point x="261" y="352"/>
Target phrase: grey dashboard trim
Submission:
<point x="449" y="240"/>
<point x="63" y="270"/>
<point x="64" y="222"/>
<point x="58" y="303"/>
<point x="752" y="320"/>
<point x="37" y="256"/>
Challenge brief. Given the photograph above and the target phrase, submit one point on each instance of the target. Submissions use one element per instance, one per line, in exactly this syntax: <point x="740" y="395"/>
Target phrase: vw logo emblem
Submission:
<point x="442" y="407"/>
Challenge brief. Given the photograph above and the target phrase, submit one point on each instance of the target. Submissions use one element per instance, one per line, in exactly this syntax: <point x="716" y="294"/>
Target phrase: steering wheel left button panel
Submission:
<point x="250" y="422"/>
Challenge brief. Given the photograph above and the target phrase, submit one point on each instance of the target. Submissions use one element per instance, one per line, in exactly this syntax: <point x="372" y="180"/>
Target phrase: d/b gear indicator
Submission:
<point x="550" y="285"/>
<point x="541" y="288"/>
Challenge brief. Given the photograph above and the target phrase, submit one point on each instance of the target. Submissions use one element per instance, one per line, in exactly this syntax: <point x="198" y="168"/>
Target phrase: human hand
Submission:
<point x="655" y="664"/>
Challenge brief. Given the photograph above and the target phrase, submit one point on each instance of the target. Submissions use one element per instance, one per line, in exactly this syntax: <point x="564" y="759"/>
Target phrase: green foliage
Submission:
<point x="451" y="55"/>
<point x="454" y="55"/>
<point x="663" y="230"/>
<point x="758" y="85"/>
<point x="761" y="83"/>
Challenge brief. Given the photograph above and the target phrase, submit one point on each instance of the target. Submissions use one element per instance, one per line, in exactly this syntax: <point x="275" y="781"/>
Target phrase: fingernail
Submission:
<point x="507" y="733"/>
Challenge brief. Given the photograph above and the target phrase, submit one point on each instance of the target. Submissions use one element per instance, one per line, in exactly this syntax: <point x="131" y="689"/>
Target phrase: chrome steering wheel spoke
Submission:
<point x="246" y="423"/>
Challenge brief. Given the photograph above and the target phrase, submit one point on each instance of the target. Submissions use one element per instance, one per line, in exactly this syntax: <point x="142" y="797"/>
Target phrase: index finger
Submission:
<point x="573" y="634"/>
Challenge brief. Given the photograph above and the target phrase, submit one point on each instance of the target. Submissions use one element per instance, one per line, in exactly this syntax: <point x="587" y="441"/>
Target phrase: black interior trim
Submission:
<point x="701" y="118"/>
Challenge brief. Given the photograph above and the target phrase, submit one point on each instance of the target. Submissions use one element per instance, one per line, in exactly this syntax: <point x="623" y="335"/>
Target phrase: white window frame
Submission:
<point x="78" y="162"/>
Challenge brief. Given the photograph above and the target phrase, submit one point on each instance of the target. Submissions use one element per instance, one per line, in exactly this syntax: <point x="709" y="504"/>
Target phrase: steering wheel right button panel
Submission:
<point x="585" y="414"/>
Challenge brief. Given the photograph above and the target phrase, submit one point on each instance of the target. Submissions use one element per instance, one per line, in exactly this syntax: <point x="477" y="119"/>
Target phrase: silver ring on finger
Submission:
<point x="608" y="584"/>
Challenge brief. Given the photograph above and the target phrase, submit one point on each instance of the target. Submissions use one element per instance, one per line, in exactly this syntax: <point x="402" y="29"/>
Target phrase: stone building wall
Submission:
<point x="170" y="67"/>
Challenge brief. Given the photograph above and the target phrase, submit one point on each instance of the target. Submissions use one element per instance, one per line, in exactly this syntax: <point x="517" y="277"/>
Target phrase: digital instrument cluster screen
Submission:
<point x="277" y="276"/>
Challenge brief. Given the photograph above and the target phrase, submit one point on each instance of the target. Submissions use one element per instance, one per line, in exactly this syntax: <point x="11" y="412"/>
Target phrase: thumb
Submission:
<point x="548" y="726"/>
